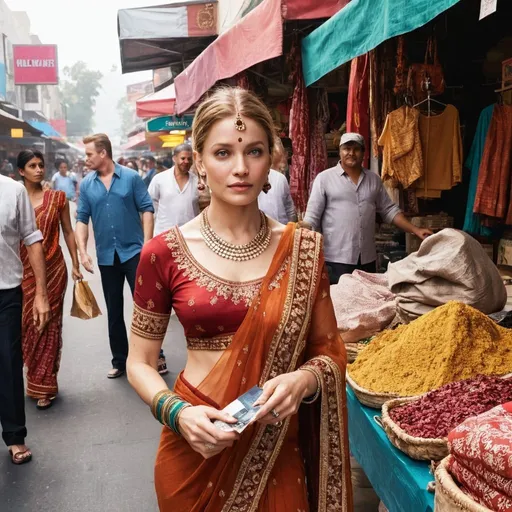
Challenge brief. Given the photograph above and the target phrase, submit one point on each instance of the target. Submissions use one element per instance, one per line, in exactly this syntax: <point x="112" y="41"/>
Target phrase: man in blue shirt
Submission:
<point x="115" y="197"/>
<point x="63" y="181"/>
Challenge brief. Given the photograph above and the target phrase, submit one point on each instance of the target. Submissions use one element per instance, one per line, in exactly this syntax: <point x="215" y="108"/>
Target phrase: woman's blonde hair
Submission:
<point x="228" y="102"/>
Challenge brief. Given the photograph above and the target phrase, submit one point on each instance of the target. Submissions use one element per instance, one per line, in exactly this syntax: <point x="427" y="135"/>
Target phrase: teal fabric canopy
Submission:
<point x="360" y="27"/>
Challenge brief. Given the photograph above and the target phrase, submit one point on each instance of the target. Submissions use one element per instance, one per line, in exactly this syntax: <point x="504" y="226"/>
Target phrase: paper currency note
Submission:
<point x="242" y="409"/>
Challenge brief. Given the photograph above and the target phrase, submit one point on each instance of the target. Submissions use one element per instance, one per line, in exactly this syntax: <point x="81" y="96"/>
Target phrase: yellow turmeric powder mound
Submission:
<point x="453" y="342"/>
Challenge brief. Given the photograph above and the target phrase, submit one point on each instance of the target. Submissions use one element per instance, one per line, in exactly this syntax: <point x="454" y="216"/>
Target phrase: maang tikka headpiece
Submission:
<point x="239" y="123"/>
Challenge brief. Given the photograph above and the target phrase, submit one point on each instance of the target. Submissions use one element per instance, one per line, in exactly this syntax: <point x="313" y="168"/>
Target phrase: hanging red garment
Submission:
<point x="299" y="132"/>
<point x="318" y="149"/>
<point x="494" y="189"/>
<point x="358" y="103"/>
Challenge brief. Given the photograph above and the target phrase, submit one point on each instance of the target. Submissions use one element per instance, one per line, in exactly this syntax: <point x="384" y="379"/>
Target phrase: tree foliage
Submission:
<point x="80" y="88"/>
<point x="126" y="110"/>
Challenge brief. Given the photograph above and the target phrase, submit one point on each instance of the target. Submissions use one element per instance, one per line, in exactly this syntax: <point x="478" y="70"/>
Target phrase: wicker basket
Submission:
<point x="369" y="398"/>
<point x="416" y="447"/>
<point x="449" y="497"/>
<point x="353" y="350"/>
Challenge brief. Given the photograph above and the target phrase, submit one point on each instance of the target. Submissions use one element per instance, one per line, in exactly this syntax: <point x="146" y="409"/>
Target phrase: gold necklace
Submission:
<point x="233" y="252"/>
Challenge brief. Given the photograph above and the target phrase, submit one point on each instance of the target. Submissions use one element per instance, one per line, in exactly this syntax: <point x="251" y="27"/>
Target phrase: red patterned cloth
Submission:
<point x="319" y="155"/>
<point x="42" y="350"/>
<point x="299" y="133"/>
<point x="479" y="490"/>
<point x="358" y="103"/>
<point x="485" y="439"/>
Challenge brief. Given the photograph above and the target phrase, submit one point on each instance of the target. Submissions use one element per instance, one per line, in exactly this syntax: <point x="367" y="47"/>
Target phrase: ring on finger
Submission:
<point x="209" y="446"/>
<point x="274" y="413"/>
<point x="278" y="424"/>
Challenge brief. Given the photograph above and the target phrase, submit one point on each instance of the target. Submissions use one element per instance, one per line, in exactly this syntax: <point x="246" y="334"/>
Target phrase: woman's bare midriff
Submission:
<point x="199" y="364"/>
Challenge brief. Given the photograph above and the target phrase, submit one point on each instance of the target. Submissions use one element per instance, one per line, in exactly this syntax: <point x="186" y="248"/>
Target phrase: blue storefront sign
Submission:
<point x="170" y="123"/>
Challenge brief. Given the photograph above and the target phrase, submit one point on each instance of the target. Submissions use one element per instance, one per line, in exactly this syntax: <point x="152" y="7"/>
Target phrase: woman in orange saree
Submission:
<point x="278" y="332"/>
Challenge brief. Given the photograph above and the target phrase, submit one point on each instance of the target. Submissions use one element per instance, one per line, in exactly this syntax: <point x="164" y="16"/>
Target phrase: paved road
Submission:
<point x="94" y="449"/>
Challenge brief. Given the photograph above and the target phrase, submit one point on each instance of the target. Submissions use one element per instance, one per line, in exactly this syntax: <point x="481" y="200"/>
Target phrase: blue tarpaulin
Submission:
<point x="360" y="27"/>
<point x="46" y="128"/>
<point x="400" y="482"/>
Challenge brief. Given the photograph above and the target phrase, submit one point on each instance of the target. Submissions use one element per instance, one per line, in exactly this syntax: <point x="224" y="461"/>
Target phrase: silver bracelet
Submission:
<point x="313" y="398"/>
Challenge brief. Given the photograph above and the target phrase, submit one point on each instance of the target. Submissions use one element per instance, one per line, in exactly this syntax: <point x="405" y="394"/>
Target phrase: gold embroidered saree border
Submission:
<point x="333" y="492"/>
<point x="293" y="327"/>
<point x="149" y="325"/>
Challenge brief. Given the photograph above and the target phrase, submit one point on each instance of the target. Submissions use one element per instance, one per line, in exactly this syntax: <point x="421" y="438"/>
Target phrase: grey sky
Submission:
<point x="86" y="31"/>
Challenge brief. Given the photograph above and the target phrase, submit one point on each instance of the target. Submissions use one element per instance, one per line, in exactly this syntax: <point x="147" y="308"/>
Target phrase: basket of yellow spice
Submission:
<point x="451" y="343"/>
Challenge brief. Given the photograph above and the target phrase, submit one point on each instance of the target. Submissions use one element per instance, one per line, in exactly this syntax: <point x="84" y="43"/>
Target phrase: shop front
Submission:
<point x="431" y="90"/>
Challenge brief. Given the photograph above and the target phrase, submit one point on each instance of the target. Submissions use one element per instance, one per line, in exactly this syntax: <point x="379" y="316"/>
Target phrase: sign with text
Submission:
<point x="35" y="64"/>
<point x="170" y="123"/>
<point x="487" y="7"/>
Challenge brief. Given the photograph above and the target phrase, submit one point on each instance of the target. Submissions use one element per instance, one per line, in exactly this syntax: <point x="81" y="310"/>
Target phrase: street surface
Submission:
<point x="94" y="450"/>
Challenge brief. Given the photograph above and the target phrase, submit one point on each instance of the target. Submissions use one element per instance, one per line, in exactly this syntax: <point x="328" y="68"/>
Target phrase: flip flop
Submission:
<point x="115" y="373"/>
<point x="44" y="403"/>
<point x="18" y="458"/>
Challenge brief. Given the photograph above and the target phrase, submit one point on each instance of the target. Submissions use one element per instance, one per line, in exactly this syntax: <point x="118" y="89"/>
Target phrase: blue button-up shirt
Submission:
<point x="115" y="213"/>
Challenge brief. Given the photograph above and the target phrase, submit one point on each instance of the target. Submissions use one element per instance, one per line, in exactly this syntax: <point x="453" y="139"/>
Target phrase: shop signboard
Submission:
<point x="487" y="7"/>
<point x="170" y="123"/>
<point x="35" y="64"/>
<point x="137" y="91"/>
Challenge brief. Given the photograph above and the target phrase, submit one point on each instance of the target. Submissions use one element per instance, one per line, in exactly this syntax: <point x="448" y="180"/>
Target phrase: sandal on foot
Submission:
<point x="115" y="373"/>
<point x="21" y="457"/>
<point x="44" y="403"/>
<point x="162" y="366"/>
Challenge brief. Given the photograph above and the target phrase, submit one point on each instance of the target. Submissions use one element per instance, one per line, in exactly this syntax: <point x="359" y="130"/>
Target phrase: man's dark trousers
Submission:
<point x="112" y="280"/>
<point x="12" y="399"/>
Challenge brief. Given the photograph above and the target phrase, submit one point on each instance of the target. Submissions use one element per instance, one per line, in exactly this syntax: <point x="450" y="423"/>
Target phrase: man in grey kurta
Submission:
<point x="343" y="205"/>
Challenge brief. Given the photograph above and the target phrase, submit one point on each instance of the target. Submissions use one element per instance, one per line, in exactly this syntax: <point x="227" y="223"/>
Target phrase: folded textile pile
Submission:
<point x="481" y="460"/>
<point x="363" y="305"/>
<point x="450" y="265"/>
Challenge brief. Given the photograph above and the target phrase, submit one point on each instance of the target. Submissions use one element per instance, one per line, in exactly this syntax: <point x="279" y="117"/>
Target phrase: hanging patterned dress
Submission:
<point x="42" y="351"/>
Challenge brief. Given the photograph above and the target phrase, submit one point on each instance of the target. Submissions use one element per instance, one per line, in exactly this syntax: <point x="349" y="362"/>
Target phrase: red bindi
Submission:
<point x="240" y="139"/>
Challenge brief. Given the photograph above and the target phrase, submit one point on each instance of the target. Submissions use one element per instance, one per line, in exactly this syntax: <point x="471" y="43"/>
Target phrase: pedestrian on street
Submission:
<point x="17" y="224"/>
<point x="42" y="350"/>
<point x="253" y="298"/>
<point x="115" y="197"/>
<point x="151" y="172"/>
<point x="343" y="205"/>
<point x="62" y="180"/>
<point x="276" y="200"/>
<point x="174" y="192"/>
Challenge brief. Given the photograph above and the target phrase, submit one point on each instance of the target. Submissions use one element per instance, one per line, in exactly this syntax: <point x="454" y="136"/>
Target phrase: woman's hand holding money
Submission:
<point x="283" y="395"/>
<point x="195" y="424"/>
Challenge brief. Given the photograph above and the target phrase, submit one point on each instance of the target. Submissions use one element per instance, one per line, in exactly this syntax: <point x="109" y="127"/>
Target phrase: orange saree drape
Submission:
<point x="303" y="464"/>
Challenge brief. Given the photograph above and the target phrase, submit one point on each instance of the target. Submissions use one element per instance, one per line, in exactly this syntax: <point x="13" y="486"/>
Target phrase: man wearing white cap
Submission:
<point x="343" y="204"/>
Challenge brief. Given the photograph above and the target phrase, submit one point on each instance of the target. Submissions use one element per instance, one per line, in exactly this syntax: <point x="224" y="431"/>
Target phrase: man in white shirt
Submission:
<point x="174" y="192"/>
<point x="17" y="224"/>
<point x="277" y="203"/>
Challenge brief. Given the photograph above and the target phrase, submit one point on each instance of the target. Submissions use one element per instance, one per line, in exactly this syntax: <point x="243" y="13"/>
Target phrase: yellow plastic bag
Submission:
<point x="84" y="303"/>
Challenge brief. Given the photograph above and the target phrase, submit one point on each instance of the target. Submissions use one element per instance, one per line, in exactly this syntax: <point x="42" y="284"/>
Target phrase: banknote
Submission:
<point x="242" y="409"/>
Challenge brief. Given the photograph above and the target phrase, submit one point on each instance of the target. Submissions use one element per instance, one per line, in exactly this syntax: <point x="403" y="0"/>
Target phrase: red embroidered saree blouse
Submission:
<point x="210" y="309"/>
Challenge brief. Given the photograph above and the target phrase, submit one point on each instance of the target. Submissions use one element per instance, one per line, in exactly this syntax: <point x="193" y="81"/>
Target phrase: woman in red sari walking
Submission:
<point x="42" y="350"/>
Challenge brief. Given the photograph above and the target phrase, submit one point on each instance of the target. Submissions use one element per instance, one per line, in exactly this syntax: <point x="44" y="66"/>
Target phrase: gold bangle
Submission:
<point x="157" y="398"/>
<point x="312" y="399"/>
